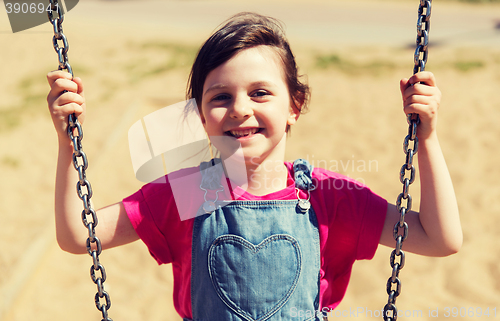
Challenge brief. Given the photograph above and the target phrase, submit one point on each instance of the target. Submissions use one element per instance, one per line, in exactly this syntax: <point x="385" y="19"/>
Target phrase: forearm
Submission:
<point x="438" y="207"/>
<point x="71" y="234"/>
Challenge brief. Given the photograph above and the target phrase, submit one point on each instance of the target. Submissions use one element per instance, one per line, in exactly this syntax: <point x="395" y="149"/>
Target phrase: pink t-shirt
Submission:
<point x="350" y="219"/>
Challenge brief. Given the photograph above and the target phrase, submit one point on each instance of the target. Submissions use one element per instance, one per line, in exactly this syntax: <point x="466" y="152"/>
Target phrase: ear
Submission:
<point x="294" y="113"/>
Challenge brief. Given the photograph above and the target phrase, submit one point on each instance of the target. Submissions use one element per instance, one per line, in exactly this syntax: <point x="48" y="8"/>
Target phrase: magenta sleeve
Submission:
<point x="375" y="212"/>
<point x="142" y="220"/>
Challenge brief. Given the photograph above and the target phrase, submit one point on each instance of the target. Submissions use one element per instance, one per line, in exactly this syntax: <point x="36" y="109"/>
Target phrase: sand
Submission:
<point x="134" y="57"/>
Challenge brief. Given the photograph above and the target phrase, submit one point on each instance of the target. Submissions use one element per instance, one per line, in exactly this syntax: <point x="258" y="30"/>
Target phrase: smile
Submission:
<point x="243" y="132"/>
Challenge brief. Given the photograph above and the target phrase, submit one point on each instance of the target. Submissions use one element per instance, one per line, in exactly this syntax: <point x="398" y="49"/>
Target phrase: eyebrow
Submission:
<point x="214" y="87"/>
<point x="254" y="84"/>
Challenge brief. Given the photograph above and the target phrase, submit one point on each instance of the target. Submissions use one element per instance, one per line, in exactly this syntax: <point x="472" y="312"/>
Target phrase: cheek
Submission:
<point x="212" y="120"/>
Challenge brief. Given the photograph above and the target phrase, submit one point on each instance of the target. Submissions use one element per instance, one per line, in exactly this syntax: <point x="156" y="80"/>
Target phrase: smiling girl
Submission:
<point x="276" y="248"/>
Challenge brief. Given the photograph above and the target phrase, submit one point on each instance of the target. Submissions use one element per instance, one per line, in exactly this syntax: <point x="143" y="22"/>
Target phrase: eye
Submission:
<point x="260" y="93"/>
<point x="221" y="97"/>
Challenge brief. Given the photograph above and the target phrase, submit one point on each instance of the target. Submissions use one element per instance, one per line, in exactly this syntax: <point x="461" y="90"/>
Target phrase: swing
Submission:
<point x="84" y="189"/>
<point x="420" y="59"/>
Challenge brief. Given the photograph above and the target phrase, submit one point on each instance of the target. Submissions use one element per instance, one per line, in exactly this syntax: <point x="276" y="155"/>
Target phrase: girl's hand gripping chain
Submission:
<point x="65" y="98"/>
<point x="421" y="96"/>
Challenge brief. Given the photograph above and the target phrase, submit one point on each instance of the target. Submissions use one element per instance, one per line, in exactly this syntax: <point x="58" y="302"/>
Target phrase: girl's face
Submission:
<point x="247" y="100"/>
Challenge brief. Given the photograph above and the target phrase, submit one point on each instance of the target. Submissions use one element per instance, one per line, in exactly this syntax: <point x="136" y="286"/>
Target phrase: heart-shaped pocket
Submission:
<point x="255" y="281"/>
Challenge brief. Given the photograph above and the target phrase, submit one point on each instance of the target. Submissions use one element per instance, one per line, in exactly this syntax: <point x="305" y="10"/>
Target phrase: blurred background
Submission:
<point x="134" y="57"/>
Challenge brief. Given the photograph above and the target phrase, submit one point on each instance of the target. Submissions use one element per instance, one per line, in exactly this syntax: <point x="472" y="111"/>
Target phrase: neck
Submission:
<point x="259" y="175"/>
<point x="269" y="177"/>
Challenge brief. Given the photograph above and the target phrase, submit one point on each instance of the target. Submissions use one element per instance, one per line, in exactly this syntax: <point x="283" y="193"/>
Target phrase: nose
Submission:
<point x="240" y="108"/>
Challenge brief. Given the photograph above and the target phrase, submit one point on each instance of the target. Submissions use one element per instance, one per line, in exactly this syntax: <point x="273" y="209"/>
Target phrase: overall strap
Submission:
<point x="302" y="172"/>
<point x="211" y="174"/>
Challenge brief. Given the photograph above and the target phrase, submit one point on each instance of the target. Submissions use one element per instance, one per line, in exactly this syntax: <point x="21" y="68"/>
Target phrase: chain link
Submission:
<point x="80" y="163"/>
<point x="423" y="27"/>
<point x="420" y="59"/>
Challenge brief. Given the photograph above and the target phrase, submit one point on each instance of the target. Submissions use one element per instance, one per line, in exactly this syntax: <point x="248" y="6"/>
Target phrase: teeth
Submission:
<point x="243" y="133"/>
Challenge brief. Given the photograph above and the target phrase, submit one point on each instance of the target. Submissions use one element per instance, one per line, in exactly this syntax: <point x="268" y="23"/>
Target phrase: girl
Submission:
<point x="278" y="248"/>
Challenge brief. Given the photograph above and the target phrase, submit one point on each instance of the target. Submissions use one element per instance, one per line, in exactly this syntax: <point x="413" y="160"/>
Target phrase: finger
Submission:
<point x="403" y="85"/>
<point x="70" y="108"/>
<point x="61" y="86"/>
<point x="69" y="97"/>
<point x="420" y="90"/>
<point x="63" y="111"/>
<point x="426" y="114"/>
<point x="415" y="108"/>
<point x="423" y="105"/>
<point x="424" y="77"/>
<point x="63" y="92"/>
<point x="418" y="100"/>
<point x="79" y="83"/>
<point x="56" y="74"/>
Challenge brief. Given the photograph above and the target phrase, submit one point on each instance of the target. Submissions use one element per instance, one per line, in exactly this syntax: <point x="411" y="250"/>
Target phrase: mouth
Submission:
<point x="243" y="132"/>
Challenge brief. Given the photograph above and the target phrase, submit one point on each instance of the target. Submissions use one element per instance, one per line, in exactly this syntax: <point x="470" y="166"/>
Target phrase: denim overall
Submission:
<point x="257" y="260"/>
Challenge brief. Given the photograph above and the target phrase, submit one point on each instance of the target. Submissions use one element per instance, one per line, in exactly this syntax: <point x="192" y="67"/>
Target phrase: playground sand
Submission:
<point x="355" y="126"/>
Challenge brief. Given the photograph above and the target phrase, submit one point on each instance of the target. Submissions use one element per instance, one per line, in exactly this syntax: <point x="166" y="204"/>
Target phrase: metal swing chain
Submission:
<point x="83" y="187"/>
<point x="420" y="59"/>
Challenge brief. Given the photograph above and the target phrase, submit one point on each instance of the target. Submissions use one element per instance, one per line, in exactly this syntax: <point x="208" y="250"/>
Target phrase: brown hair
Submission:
<point x="242" y="31"/>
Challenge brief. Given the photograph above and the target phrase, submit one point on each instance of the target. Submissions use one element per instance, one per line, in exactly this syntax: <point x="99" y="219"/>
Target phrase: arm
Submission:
<point x="114" y="227"/>
<point x="435" y="230"/>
